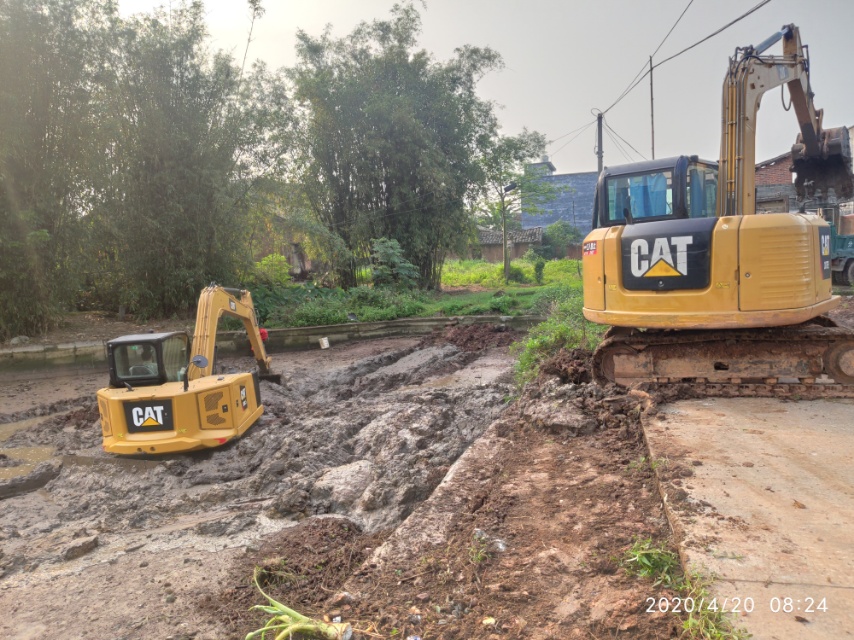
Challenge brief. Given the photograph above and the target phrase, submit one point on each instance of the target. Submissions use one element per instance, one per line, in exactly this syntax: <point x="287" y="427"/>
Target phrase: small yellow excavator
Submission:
<point x="164" y="397"/>
<point x="699" y="290"/>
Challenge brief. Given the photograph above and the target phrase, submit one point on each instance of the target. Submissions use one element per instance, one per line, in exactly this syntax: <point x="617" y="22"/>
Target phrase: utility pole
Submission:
<point x="599" y="139"/>
<point x="651" y="109"/>
<point x="505" y="253"/>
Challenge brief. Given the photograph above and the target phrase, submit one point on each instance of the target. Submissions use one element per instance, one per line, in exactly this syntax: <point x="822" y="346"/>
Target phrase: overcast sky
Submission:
<point x="565" y="58"/>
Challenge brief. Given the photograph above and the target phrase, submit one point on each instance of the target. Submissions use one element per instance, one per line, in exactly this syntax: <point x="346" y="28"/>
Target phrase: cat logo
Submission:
<point x="825" y="244"/>
<point x="148" y="416"/>
<point x="243" y="401"/>
<point x="669" y="257"/>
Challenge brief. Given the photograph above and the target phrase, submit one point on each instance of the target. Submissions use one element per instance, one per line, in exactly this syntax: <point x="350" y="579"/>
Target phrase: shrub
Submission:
<point x="272" y="271"/>
<point x="539" y="267"/>
<point x="516" y="274"/>
<point x="389" y="267"/>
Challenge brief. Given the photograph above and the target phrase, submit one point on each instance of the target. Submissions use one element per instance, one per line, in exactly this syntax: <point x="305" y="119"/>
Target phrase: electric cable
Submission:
<point x="675" y="55"/>
<point x="583" y="129"/>
<point x="605" y="122"/>
<point x="570" y="133"/>
<point x="645" y="66"/>
<point x="618" y="146"/>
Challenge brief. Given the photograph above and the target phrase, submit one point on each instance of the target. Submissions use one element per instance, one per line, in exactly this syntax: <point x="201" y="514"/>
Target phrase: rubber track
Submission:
<point x="818" y="333"/>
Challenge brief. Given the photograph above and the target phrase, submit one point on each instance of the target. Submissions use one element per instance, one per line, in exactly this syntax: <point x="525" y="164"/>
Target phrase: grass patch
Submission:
<point x="703" y="618"/>
<point x="705" y="623"/>
<point x="335" y="306"/>
<point x="564" y="328"/>
<point x="308" y="305"/>
<point x="467" y="273"/>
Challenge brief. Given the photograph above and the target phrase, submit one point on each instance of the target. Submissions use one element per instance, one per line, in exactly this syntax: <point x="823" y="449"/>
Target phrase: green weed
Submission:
<point x="478" y="549"/>
<point x="708" y="621"/>
<point x="648" y="560"/>
<point x="705" y="619"/>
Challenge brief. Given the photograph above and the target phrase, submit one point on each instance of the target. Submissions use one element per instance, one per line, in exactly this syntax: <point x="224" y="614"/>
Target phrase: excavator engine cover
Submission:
<point x="815" y="175"/>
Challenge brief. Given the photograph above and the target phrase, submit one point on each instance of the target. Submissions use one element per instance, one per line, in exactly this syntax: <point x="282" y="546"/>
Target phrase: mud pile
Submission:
<point x="369" y="440"/>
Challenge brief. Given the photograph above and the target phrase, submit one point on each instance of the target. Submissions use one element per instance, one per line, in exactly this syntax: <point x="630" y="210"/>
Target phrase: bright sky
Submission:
<point x="566" y="57"/>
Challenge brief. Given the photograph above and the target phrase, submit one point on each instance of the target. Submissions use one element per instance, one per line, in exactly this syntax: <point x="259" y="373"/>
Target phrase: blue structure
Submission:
<point x="573" y="202"/>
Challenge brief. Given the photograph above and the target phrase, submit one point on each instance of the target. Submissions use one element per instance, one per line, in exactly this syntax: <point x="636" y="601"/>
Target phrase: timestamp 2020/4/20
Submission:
<point x="775" y="604"/>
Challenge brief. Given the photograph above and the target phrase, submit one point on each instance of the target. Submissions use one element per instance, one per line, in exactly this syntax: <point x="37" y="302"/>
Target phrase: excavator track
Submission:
<point x="809" y="361"/>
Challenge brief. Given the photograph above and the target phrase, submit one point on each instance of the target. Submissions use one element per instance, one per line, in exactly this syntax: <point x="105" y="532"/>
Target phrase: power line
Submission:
<point x="712" y="35"/>
<point x="672" y="28"/>
<point x="580" y="131"/>
<point x="570" y="133"/>
<point x="618" y="146"/>
<point x="675" y="55"/>
<point x="638" y="77"/>
<point x="623" y="139"/>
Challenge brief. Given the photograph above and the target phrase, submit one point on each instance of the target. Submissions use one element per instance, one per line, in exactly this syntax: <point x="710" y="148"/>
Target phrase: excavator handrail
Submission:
<point x="214" y="302"/>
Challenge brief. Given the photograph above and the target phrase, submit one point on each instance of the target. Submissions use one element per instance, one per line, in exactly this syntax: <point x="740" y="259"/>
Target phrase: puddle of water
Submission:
<point x="29" y="457"/>
<point x="6" y="430"/>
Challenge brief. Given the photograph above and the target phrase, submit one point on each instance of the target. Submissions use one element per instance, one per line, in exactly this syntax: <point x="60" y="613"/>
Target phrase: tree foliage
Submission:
<point x="388" y="266"/>
<point x="51" y="55"/>
<point x="188" y="142"/>
<point x="508" y="190"/>
<point x="137" y="165"/>
<point x="389" y="139"/>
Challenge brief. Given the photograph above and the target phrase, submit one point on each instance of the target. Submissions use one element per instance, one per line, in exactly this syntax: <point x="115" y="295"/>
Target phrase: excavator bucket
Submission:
<point x="830" y="168"/>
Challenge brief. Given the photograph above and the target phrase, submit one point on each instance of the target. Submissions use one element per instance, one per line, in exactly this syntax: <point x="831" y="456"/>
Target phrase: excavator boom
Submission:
<point x="215" y="302"/>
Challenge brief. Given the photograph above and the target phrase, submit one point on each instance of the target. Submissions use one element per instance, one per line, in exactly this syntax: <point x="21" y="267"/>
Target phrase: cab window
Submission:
<point x="136" y="361"/>
<point x="174" y="357"/>
<point x="702" y="191"/>
<point x="648" y="195"/>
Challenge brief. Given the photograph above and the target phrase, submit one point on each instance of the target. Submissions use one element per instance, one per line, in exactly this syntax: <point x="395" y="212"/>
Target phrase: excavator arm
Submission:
<point x="214" y="302"/>
<point x="821" y="157"/>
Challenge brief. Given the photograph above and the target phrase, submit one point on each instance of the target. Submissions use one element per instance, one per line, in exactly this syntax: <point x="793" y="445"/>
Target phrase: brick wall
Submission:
<point x="775" y="171"/>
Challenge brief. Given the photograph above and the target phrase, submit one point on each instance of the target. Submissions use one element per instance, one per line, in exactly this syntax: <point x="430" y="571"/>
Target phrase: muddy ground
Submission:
<point x="398" y="472"/>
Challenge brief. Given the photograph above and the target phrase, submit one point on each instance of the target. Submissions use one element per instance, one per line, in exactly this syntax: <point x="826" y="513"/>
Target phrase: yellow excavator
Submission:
<point x="164" y="396"/>
<point x="700" y="290"/>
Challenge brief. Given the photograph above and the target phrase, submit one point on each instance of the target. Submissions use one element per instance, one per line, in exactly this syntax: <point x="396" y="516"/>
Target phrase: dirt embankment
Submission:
<point x="511" y="537"/>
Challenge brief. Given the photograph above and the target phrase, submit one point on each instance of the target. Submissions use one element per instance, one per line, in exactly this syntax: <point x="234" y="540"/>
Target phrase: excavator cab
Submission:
<point x="144" y="360"/>
<point x="657" y="190"/>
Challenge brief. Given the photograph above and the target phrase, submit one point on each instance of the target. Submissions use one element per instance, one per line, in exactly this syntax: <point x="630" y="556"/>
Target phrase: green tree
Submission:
<point x="389" y="139"/>
<point x="191" y="138"/>
<point x="508" y="190"/>
<point x="557" y="236"/>
<point x="388" y="266"/>
<point x="51" y="56"/>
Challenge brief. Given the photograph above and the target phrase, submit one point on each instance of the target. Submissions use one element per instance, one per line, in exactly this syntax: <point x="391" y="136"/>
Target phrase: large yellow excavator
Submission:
<point x="163" y="395"/>
<point x="700" y="290"/>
